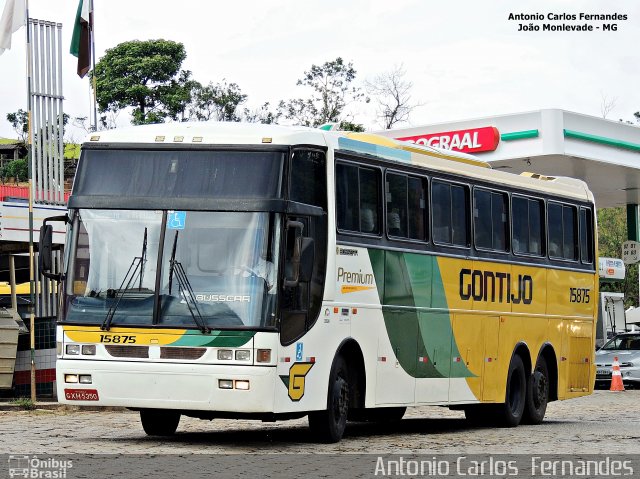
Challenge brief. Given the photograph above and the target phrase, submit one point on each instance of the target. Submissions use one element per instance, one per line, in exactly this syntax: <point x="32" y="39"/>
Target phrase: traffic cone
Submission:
<point x="616" y="377"/>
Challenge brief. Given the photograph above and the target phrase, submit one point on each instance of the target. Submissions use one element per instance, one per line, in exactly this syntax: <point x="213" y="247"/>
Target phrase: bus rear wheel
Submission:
<point x="329" y="425"/>
<point x="159" y="422"/>
<point x="537" y="394"/>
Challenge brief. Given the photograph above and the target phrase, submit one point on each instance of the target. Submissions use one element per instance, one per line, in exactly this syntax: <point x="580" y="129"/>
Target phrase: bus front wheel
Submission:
<point x="159" y="422"/>
<point x="537" y="394"/>
<point x="329" y="425"/>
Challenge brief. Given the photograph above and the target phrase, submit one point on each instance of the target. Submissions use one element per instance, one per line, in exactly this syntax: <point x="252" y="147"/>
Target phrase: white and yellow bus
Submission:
<point x="259" y="271"/>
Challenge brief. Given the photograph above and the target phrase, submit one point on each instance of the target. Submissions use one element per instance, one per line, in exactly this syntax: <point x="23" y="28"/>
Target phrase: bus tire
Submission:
<point x="329" y="425"/>
<point x="509" y="413"/>
<point x="537" y="393"/>
<point x="159" y="422"/>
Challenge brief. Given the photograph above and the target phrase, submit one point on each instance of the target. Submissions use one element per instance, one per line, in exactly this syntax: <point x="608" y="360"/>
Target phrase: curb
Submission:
<point x="54" y="406"/>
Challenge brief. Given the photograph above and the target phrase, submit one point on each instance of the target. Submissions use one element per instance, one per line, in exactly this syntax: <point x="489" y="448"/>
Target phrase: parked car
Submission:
<point x="626" y="346"/>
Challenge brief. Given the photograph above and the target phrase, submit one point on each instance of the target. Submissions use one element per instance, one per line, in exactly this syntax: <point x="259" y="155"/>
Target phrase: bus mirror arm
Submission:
<point x="45" y="248"/>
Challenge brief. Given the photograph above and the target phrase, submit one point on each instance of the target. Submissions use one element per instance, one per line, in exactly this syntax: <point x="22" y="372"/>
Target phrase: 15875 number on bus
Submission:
<point x="117" y="338"/>
<point x="579" y="295"/>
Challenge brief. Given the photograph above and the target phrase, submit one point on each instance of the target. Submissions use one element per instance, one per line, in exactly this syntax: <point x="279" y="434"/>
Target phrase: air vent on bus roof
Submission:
<point x="537" y="176"/>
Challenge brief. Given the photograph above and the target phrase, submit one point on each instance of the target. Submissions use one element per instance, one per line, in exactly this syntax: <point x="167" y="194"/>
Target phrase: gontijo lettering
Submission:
<point x="495" y="286"/>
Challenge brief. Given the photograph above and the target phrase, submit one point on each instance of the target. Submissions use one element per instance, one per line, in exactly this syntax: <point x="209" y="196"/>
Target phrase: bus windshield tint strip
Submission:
<point x="163" y="173"/>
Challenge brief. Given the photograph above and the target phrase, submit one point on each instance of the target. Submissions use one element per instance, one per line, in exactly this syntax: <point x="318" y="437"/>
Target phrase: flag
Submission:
<point x="81" y="39"/>
<point x="13" y="17"/>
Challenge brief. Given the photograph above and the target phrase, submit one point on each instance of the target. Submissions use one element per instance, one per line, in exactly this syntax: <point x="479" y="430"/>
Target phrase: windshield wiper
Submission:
<point x="132" y="273"/>
<point x="185" y="289"/>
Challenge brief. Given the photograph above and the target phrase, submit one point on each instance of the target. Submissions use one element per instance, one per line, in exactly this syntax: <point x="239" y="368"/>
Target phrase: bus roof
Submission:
<point x="232" y="133"/>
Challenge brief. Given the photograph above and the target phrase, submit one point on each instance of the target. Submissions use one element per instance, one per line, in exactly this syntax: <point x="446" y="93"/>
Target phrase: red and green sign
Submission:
<point x="468" y="141"/>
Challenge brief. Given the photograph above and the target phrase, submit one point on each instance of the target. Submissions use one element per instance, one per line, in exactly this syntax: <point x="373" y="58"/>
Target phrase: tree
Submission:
<point x="262" y="115"/>
<point x="144" y="75"/>
<point x="20" y="122"/>
<point x="392" y="94"/>
<point x="216" y="102"/>
<point x="607" y="104"/>
<point x="612" y="232"/>
<point x="346" y="125"/>
<point x="332" y="88"/>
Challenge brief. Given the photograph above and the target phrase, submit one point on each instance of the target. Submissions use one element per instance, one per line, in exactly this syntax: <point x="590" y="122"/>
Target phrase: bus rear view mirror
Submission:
<point x="45" y="247"/>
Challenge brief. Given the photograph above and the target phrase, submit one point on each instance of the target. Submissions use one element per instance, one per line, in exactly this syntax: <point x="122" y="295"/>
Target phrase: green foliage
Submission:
<point x="20" y="122"/>
<point x="612" y="232"/>
<point x="262" y="115"/>
<point x="349" y="126"/>
<point x="216" y="102"/>
<point x="24" y="403"/>
<point x="144" y="75"/>
<point x="18" y="169"/>
<point x="332" y="88"/>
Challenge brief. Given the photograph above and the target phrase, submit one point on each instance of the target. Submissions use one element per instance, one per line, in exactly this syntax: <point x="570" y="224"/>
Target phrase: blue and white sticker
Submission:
<point x="298" y="351"/>
<point x="176" y="220"/>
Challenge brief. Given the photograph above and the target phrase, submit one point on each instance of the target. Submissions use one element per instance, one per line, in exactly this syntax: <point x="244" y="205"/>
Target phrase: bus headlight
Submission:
<point x="242" y="384"/>
<point x="70" y="378"/>
<point x="225" y="354"/>
<point x="73" y="349"/>
<point x="243" y="355"/>
<point x="84" y="379"/>
<point x="89" y="349"/>
<point x="225" y="383"/>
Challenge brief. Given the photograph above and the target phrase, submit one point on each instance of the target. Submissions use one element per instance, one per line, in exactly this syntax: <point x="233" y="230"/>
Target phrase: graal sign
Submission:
<point x="468" y="141"/>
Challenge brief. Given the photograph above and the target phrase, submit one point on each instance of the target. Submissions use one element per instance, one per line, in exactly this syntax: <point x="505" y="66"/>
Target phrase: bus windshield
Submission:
<point x="215" y="269"/>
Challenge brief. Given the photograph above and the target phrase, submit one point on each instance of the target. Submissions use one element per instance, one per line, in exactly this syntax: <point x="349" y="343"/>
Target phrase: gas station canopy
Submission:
<point x="604" y="153"/>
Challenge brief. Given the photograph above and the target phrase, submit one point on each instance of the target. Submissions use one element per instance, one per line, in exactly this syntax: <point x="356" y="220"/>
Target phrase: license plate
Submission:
<point x="81" y="394"/>
<point x="603" y="372"/>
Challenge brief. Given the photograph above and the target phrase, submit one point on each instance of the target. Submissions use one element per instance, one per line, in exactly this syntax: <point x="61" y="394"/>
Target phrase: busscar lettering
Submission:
<point x="222" y="298"/>
<point x="490" y="286"/>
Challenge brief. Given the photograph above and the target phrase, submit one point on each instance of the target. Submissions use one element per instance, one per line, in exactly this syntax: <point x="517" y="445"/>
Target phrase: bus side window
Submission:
<point x="357" y="198"/>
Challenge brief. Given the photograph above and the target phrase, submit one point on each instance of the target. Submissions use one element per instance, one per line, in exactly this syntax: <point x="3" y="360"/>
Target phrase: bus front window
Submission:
<point x="225" y="264"/>
<point x="217" y="269"/>
<point x="113" y="266"/>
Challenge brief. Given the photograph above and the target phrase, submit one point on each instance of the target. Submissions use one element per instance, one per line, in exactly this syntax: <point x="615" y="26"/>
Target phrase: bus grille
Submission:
<point x="127" y="351"/>
<point x="181" y="353"/>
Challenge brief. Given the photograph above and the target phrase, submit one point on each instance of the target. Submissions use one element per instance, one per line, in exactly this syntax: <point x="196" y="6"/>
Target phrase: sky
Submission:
<point x="464" y="58"/>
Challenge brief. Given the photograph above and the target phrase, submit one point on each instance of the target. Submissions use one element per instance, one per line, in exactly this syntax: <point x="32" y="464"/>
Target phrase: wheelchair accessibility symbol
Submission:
<point x="176" y="220"/>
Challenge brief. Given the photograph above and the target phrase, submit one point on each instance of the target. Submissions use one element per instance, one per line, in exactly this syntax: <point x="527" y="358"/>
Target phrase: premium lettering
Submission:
<point x="357" y="277"/>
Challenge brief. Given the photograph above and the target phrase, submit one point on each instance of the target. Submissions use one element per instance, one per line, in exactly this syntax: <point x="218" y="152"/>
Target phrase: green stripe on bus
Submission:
<point x="217" y="339"/>
<point x="422" y="340"/>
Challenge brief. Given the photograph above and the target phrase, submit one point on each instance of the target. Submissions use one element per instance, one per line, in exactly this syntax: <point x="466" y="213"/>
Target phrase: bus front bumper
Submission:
<point x="198" y="387"/>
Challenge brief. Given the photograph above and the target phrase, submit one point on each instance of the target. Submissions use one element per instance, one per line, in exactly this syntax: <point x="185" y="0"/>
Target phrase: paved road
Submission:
<point x="602" y="423"/>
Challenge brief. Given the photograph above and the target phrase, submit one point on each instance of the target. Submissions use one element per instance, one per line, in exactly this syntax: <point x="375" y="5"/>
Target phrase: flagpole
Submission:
<point x="32" y="322"/>
<point x="93" y="65"/>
